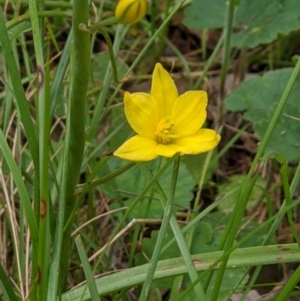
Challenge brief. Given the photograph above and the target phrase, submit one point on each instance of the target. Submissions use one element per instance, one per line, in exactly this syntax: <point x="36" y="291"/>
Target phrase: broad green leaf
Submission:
<point x="258" y="98"/>
<point x="233" y="182"/>
<point x="260" y="22"/>
<point x="205" y="14"/>
<point x="100" y="63"/>
<point x="195" y="166"/>
<point x="255" y="22"/>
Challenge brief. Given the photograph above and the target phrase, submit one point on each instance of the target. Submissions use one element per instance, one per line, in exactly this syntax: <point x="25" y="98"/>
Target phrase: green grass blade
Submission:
<point x="42" y="205"/>
<point x="87" y="269"/>
<point x="246" y="189"/>
<point x="161" y="235"/>
<point x="19" y="91"/>
<point x="6" y="286"/>
<point x="176" y="266"/>
<point x="22" y="190"/>
<point x="186" y="255"/>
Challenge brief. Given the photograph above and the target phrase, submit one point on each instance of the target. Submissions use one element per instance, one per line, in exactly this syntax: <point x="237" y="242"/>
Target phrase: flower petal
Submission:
<point x="202" y="141"/>
<point x="137" y="148"/>
<point x="142" y="113"/>
<point x="163" y="89"/>
<point x="189" y="113"/>
<point x="169" y="150"/>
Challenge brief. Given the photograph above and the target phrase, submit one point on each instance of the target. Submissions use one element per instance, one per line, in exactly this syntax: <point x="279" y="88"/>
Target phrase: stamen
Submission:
<point x="164" y="130"/>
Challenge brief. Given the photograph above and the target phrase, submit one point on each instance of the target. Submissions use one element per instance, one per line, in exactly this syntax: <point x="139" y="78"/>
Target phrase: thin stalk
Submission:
<point x="47" y="13"/>
<point x="210" y="61"/>
<point x="243" y="197"/>
<point x="162" y="233"/>
<point x="225" y="58"/>
<point x="289" y="286"/>
<point x="190" y="233"/>
<point x="43" y="134"/>
<point x="73" y="149"/>
<point x="96" y="119"/>
<point x="186" y="255"/>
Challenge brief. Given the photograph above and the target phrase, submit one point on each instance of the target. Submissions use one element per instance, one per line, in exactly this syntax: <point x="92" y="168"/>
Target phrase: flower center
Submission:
<point x="164" y="130"/>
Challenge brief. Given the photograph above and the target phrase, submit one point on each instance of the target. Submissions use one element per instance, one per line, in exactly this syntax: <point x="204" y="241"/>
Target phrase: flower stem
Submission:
<point x="186" y="255"/>
<point x="162" y="233"/>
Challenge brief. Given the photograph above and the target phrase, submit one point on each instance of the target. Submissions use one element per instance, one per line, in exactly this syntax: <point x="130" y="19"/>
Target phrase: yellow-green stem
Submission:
<point x="75" y="136"/>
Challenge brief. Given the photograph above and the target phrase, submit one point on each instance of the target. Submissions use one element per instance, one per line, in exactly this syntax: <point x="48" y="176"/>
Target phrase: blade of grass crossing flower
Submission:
<point x="200" y="216"/>
<point x="190" y="234"/>
<point x="242" y="199"/>
<point x="73" y="148"/>
<point x="186" y="255"/>
<point x="87" y="269"/>
<point x="162" y="233"/>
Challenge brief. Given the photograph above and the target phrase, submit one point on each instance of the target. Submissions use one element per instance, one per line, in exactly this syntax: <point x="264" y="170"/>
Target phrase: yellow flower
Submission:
<point x="130" y="11"/>
<point x="166" y="123"/>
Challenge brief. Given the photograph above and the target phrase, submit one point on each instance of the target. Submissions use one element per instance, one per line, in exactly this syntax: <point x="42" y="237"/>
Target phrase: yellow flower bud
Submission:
<point x="130" y="11"/>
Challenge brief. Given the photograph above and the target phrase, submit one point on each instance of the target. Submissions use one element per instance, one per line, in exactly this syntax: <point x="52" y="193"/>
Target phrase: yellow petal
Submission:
<point x="163" y="90"/>
<point x="169" y="150"/>
<point x="142" y="113"/>
<point x="202" y="141"/>
<point x="137" y="148"/>
<point x="189" y="113"/>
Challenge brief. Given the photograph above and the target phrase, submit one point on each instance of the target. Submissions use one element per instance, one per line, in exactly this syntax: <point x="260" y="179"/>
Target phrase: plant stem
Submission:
<point x="162" y="233"/>
<point x="184" y="250"/>
<point x="43" y="255"/>
<point x="225" y="59"/>
<point x="73" y="148"/>
<point x="76" y="122"/>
